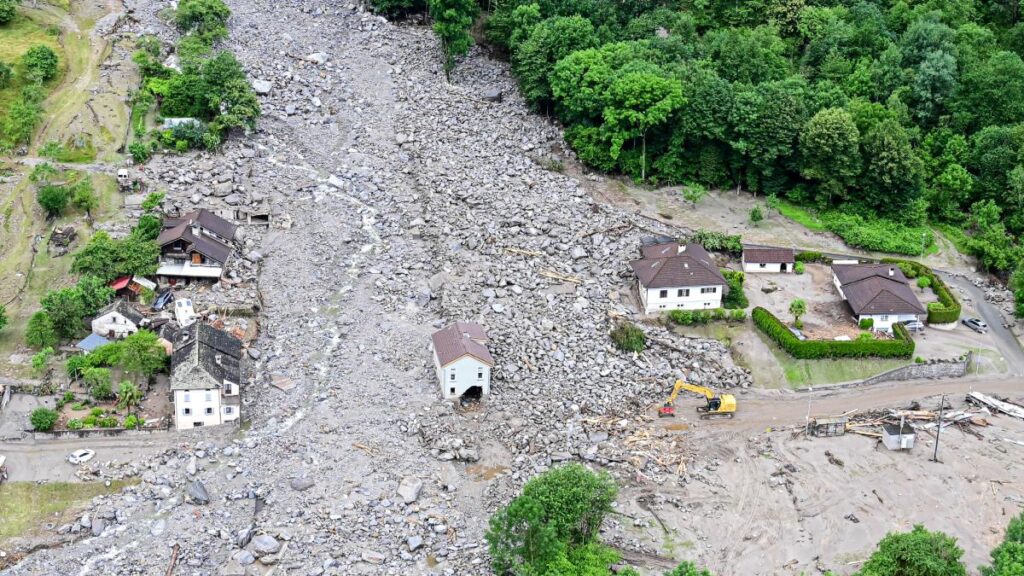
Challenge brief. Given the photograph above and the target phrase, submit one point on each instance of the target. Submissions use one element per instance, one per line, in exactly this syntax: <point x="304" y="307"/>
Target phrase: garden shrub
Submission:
<point x="901" y="346"/>
<point x="798" y="268"/>
<point x="43" y="419"/>
<point x="948" y="308"/>
<point x="718" y="242"/>
<point x="108" y="422"/>
<point x="89" y="421"/>
<point x="865" y="336"/>
<point x="97" y="412"/>
<point x="628" y="338"/>
<point x="866" y="323"/>
<point x="133" y="421"/>
<point x="816" y="257"/>
<point x="75" y="424"/>
<point x="735" y="297"/>
<point x="699" y="317"/>
<point x="78" y="406"/>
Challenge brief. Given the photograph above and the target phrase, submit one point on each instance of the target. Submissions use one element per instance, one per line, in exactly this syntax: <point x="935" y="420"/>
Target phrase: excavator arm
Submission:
<point x="705" y="392"/>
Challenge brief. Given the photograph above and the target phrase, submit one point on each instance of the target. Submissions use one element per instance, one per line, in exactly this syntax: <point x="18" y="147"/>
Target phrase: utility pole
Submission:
<point x="938" y="431"/>
<point x="807" y="419"/>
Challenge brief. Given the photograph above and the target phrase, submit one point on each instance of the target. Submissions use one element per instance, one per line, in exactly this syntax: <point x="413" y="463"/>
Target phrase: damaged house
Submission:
<point x="206" y="374"/>
<point x="118" y="320"/>
<point x="196" y="245"/>
<point x="461" y="360"/>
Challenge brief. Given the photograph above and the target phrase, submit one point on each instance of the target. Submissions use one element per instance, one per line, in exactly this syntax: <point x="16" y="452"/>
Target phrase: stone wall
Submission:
<point x="932" y="370"/>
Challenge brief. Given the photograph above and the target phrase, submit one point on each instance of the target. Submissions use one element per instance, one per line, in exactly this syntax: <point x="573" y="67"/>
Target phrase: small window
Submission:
<point x="762" y="265"/>
<point x="479" y="373"/>
<point x="682" y="293"/>
<point x="209" y="397"/>
<point x="883" y="318"/>
<point x="451" y="390"/>
<point x="229" y="410"/>
<point x="186" y="411"/>
<point x="209" y="411"/>
<point x="188" y="397"/>
<point x="452" y="375"/>
<point x="711" y="290"/>
<point x="663" y="294"/>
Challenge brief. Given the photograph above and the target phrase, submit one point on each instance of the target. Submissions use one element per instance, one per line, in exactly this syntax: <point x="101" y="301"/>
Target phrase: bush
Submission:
<point x="133" y="421"/>
<point x="756" y="214"/>
<point x="718" y="242"/>
<point x="140" y="152"/>
<point x="865" y="336"/>
<point x="901" y="346"/>
<point x="699" y="317"/>
<point x="43" y="419"/>
<point x="393" y="8"/>
<point x="879" y="234"/>
<point x="54" y="199"/>
<point x="798" y="268"/>
<point x="6" y="73"/>
<point x="78" y="406"/>
<point x="75" y="424"/>
<point x="924" y="282"/>
<point x="735" y="297"/>
<point x="40" y="63"/>
<point x="7" y="12"/>
<point x="918" y="360"/>
<point x="108" y="422"/>
<point x="208" y="18"/>
<point x="947" y="309"/>
<point x="915" y="553"/>
<point x="816" y="257"/>
<point x="866" y="323"/>
<point x="89" y="421"/>
<point x="96" y="412"/>
<point x="628" y="338"/>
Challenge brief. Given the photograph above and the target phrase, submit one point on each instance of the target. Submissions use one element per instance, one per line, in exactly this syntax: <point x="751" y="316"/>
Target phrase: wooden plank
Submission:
<point x="997" y="405"/>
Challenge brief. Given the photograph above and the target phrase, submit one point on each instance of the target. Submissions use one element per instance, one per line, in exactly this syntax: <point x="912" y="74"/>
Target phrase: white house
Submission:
<point x="206" y="372"/>
<point x="118" y="320"/>
<point x="879" y="292"/>
<point x="461" y="360"/>
<point x="672" y="276"/>
<point x="768" y="259"/>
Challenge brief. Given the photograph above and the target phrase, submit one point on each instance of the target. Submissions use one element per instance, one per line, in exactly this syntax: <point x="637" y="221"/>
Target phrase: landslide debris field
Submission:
<point x="401" y="202"/>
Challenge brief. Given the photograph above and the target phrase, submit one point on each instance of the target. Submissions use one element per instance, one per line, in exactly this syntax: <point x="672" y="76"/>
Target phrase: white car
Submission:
<point x="81" y="456"/>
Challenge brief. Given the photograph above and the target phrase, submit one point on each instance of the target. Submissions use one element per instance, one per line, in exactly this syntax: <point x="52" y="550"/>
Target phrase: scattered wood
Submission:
<point x="522" y="252"/>
<point x="174" y="558"/>
<point x="1007" y="408"/>
<point x="562" y="277"/>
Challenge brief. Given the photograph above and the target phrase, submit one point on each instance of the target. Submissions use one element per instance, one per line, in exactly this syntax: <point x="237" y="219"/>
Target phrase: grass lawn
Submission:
<point x="27" y="505"/>
<point x="15" y="39"/>
<point x="801" y="216"/>
<point x="804" y="373"/>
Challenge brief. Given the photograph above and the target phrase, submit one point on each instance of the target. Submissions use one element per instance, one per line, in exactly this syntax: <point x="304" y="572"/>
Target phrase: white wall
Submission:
<point x="755" y="268"/>
<point x="884" y="322"/>
<point x="113" y="321"/>
<point x="691" y="299"/>
<point x="463" y="374"/>
<point x="197" y="402"/>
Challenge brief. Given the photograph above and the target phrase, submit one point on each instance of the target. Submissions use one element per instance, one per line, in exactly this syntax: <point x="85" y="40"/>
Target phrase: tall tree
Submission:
<point x="142" y="354"/>
<point x="638" y="102"/>
<point x="915" y="553"/>
<point x="830" y="152"/>
<point x="550" y="41"/>
<point x="892" y="176"/>
<point x="129" y="397"/>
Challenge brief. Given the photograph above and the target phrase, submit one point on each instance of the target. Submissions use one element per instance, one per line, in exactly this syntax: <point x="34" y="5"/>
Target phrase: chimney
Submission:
<point x="686" y="264"/>
<point x="892" y="271"/>
<point x="682" y="248"/>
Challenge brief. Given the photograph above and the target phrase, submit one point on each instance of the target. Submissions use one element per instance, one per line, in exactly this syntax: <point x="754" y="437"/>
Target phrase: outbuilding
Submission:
<point x="898" y="436"/>
<point x="461" y="360"/>
<point x="768" y="259"/>
<point x="118" y="320"/>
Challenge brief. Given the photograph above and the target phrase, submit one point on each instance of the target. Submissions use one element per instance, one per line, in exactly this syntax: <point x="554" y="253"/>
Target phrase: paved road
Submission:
<point x="46" y="460"/>
<point x="1006" y="342"/>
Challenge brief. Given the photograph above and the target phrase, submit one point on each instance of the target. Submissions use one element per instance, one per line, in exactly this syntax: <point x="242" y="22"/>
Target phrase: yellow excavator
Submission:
<point x="719" y="405"/>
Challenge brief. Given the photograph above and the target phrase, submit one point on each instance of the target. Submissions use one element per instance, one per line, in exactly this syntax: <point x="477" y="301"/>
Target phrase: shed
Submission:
<point x="117" y="320"/>
<point x="898" y="436"/>
<point x="830" y="426"/>
<point x="91" y="342"/>
<point x="768" y="259"/>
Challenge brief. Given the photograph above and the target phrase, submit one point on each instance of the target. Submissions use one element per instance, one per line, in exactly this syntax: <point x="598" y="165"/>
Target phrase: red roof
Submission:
<point x="120" y="283"/>
<point x="452" y="343"/>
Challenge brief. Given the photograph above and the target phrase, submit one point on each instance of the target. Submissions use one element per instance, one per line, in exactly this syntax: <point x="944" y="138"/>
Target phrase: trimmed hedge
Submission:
<point x="947" y="309"/>
<point x="691" y="317"/>
<point x="902" y="346"/>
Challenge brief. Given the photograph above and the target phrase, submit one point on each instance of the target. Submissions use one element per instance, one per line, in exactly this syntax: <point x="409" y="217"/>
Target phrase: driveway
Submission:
<point x="1004" y="340"/>
<point x="46" y="460"/>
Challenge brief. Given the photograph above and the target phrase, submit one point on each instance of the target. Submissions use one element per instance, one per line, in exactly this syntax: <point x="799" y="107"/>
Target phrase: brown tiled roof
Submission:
<point x="472" y="330"/>
<point x="206" y="219"/>
<point x="871" y="290"/>
<point x="691" y="266"/>
<point x="768" y="255"/>
<point x="451" y="343"/>
<point x="205" y="245"/>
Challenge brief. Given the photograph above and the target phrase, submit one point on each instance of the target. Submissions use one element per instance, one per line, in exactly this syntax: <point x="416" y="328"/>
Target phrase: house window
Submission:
<point x="188" y="397"/>
<point x="186" y="411"/>
<point x="883" y="318"/>
<point x="451" y="390"/>
<point x="209" y="397"/>
<point x="479" y="373"/>
<point x="762" y="265"/>
<point x="682" y="292"/>
<point x="452" y="375"/>
<point x="209" y="411"/>
<point x="663" y="294"/>
<point x="710" y="290"/>
<point x="229" y="410"/>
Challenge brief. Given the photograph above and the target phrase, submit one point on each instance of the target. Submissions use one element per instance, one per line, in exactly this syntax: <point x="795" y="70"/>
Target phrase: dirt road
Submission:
<point x="46" y="460"/>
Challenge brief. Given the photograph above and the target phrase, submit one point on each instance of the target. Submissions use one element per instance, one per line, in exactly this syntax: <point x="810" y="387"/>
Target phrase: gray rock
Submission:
<point x="373" y="557"/>
<point x="244" y="557"/>
<point x="197" y="493"/>
<point x="232" y="568"/>
<point x="262" y="87"/>
<point x="265" y="544"/>
<point x="233" y="199"/>
<point x="302" y="484"/>
<point x="98" y="525"/>
<point x="409" y="489"/>
<point x="414" y="542"/>
<point x="492" y="95"/>
<point x="318" y="58"/>
<point x="157" y="527"/>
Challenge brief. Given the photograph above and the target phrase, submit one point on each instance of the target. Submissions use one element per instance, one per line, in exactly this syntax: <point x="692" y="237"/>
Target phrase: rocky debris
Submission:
<point x="197" y="493"/>
<point x="265" y="544"/>
<point x="409" y="489"/>
<point x="301" y="484"/>
<point x="60" y="240"/>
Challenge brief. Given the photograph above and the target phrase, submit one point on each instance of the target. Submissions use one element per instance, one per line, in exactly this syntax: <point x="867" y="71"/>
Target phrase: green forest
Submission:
<point x="886" y="118"/>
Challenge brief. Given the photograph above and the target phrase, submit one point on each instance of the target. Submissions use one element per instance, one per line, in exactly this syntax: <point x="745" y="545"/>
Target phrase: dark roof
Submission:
<point x="768" y="255"/>
<point x="472" y="330"/>
<point x="451" y="343"/>
<point x="870" y="289"/>
<point x="205" y="245"/>
<point x="670" y="266"/>
<point x="123" y="308"/>
<point x="92" y="342"/>
<point x="206" y="219"/>
<point x="894" y="429"/>
<point x="204" y="357"/>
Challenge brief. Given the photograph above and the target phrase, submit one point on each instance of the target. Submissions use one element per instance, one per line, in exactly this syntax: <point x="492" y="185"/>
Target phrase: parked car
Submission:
<point x="3" y="468"/>
<point x="913" y="325"/>
<point x="163" y="299"/>
<point x="976" y="324"/>
<point x="796" y="332"/>
<point x="81" y="456"/>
